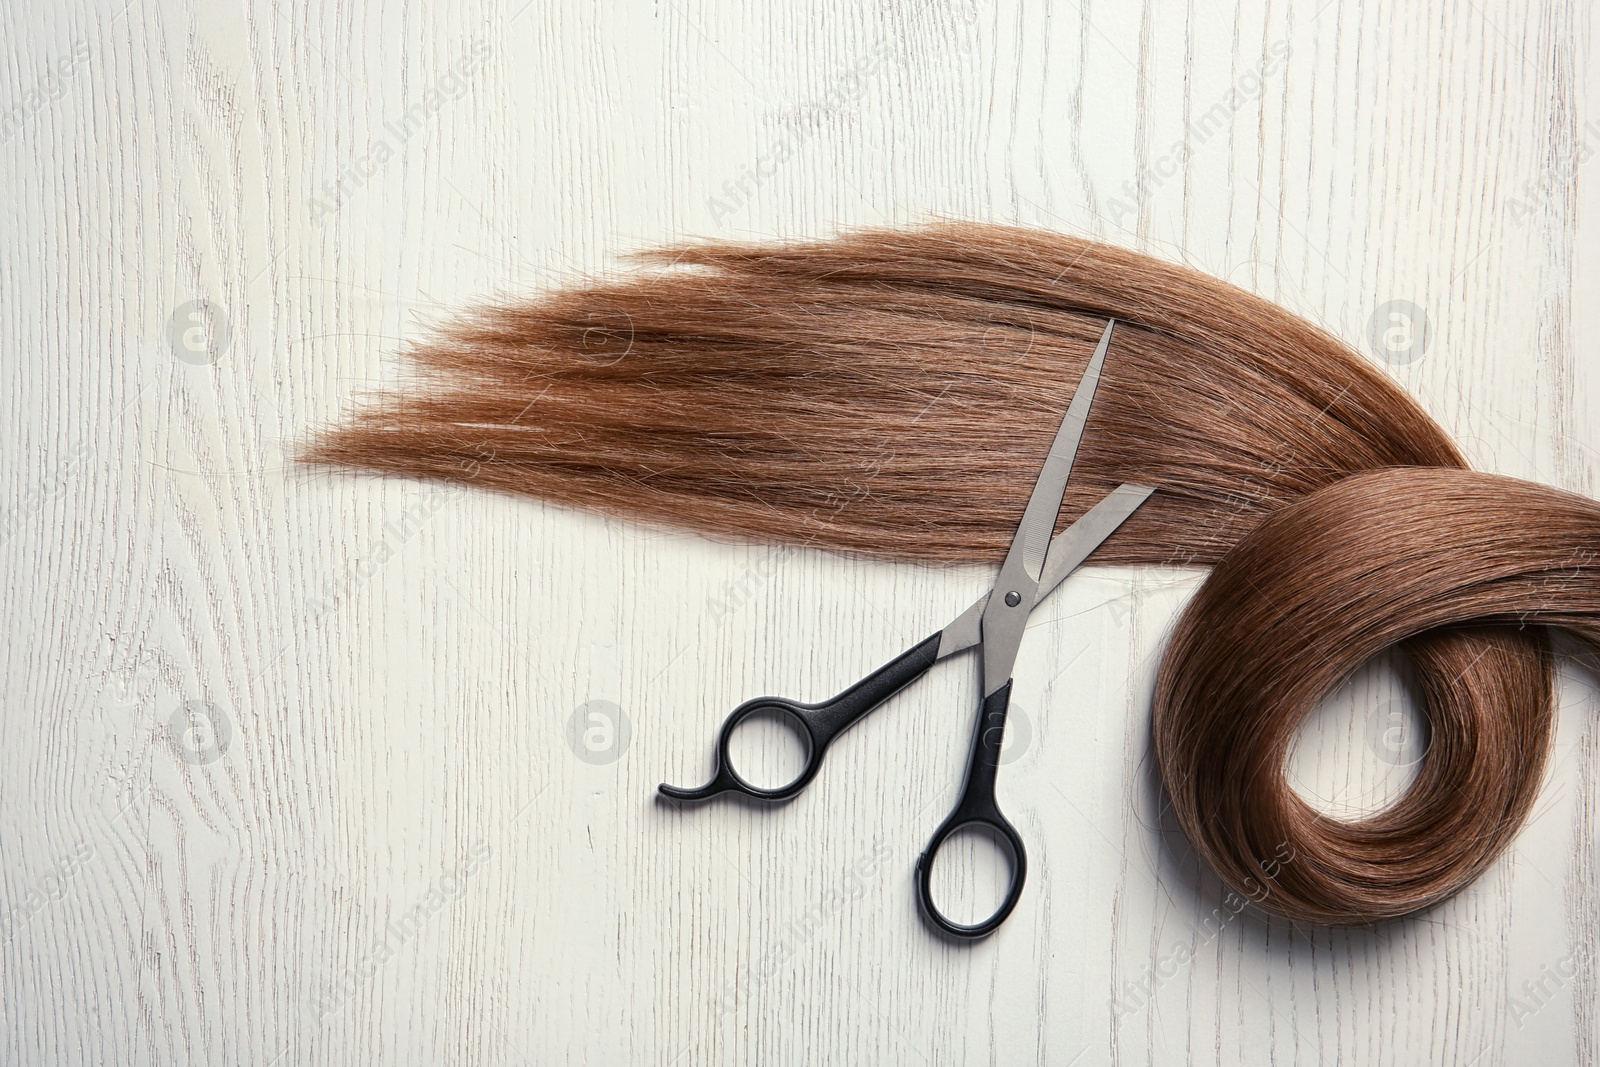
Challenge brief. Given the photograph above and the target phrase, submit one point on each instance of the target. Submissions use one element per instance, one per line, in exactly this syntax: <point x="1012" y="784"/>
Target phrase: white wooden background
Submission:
<point x="286" y="773"/>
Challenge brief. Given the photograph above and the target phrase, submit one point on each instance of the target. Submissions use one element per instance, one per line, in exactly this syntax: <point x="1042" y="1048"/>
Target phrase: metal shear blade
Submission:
<point x="1005" y="615"/>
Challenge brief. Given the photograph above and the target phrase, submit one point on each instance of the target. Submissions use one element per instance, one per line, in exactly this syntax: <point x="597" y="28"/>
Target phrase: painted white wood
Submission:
<point x="220" y="223"/>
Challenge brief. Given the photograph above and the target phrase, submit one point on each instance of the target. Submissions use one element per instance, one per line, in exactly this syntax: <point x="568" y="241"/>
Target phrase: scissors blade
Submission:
<point x="1005" y="616"/>
<point x="1033" y="533"/>
<point x="1069" y="549"/>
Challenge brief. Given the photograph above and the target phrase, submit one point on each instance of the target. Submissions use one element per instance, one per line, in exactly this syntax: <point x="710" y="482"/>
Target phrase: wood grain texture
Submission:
<point x="287" y="769"/>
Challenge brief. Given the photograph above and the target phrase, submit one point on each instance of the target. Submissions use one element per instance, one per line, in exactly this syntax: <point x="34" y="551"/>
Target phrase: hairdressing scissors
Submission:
<point x="1033" y="567"/>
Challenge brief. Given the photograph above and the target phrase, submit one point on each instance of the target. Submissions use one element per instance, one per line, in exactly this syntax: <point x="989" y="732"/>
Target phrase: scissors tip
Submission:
<point x="1104" y="346"/>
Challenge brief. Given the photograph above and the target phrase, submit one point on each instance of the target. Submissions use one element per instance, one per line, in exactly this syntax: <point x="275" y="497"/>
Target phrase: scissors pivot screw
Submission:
<point x="1013" y="598"/>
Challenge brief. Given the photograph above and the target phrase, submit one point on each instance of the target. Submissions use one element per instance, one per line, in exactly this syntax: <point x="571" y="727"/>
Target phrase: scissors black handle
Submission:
<point x="817" y="725"/>
<point x="977" y="807"/>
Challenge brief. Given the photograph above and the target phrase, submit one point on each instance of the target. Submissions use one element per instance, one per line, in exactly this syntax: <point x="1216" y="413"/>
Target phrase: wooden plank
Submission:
<point x="293" y="766"/>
